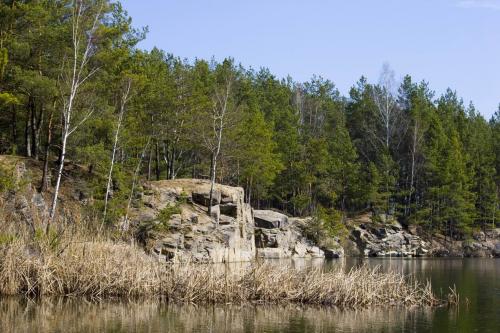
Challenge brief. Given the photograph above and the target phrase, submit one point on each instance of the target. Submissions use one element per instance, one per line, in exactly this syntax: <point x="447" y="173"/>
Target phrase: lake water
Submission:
<point x="478" y="280"/>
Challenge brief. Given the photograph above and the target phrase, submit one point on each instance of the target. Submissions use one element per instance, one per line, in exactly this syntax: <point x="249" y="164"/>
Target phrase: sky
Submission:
<point x="449" y="43"/>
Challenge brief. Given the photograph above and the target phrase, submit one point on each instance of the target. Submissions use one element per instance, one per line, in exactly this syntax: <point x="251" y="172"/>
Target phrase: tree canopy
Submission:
<point x="391" y="148"/>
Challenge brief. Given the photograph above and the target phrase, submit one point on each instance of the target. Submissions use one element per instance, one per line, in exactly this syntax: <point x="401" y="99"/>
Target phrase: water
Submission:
<point x="478" y="280"/>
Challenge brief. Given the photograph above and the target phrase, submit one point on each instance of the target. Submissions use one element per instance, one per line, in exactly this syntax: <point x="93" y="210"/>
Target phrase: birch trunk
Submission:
<point x="218" y="127"/>
<point x="77" y="78"/>
<point x="123" y="102"/>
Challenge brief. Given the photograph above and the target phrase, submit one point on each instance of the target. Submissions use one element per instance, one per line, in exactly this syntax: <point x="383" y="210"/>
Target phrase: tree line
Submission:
<point x="75" y="88"/>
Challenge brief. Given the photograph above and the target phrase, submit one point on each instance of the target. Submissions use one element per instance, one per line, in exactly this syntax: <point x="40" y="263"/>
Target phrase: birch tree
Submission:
<point x="383" y="95"/>
<point x="388" y="116"/>
<point x="222" y="109"/>
<point x="84" y="24"/>
<point x="124" y="98"/>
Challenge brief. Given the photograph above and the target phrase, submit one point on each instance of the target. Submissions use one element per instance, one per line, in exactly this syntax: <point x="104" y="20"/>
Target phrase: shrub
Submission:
<point x="183" y="198"/>
<point x="166" y="214"/>
<point x="326" y="224"/>
<point x="7" y="180"/>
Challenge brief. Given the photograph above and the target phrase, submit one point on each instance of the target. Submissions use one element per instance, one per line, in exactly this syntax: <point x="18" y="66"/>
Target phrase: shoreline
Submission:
<point x="104" y="269"/>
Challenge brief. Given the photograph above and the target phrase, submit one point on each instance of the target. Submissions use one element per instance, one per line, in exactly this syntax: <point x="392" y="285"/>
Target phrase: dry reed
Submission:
<point x="108" y="269"/>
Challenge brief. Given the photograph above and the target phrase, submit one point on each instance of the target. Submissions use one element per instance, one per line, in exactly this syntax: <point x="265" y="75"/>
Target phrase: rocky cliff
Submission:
<point x="278" y="236"/>
<point x="175" y="225"/>
<point x="171" y="220"/>
<point x="390" y="239"/>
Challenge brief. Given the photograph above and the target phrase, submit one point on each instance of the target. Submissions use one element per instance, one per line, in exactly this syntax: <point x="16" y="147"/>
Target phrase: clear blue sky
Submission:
<point x="450" y="43"/>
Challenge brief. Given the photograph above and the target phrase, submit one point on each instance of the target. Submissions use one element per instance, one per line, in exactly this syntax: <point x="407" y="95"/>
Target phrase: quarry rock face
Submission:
<point x="174" y="224"/>
<point x="191" y="234"/>
<point x="280" y="237"/>
<point x="388" y="240"/>
<point x="171" y="220"/>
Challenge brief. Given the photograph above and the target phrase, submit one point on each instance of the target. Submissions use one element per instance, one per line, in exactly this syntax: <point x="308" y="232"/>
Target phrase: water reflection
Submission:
<point x="476" y="279"/>
<point x="70" y="315"/>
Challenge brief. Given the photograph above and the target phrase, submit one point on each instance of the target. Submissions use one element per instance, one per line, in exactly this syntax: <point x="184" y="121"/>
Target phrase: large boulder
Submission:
<point x="286" y="241"/>
<point x="269" y="219"/>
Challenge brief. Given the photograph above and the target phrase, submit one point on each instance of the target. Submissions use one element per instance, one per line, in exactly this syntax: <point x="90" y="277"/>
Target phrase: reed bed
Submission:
<point x="102" y="269"/>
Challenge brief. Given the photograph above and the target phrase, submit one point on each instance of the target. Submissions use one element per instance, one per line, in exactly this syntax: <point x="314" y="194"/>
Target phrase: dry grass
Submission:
<point x="269" y="283"/>
<point x="106" y="269"/>
<point x="96" y="269"/>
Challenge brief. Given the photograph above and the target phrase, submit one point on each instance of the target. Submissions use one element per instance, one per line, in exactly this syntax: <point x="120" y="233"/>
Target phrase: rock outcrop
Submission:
<point x="279" y="237"/>
<point x="482" y="244"/>
<point x="389" y="240"/>
<point x="189" y="232"/>
<point x="172" y="221"/>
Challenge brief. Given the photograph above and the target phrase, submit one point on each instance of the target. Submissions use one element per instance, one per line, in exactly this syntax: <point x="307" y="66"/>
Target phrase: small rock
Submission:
<point x="38" y="200"/>
<point x="172" y="241"/>
<point x="441" y="252"/>
<point x="412" y="228"/>
<point x="380" y="233"/>
<point x="422" y="251"/>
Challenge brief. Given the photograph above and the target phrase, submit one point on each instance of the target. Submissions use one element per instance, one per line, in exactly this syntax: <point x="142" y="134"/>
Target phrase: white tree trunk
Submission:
<point x="123" y="102"/>
<point x="76" y="79"/>
<point x="219" y="118"/>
